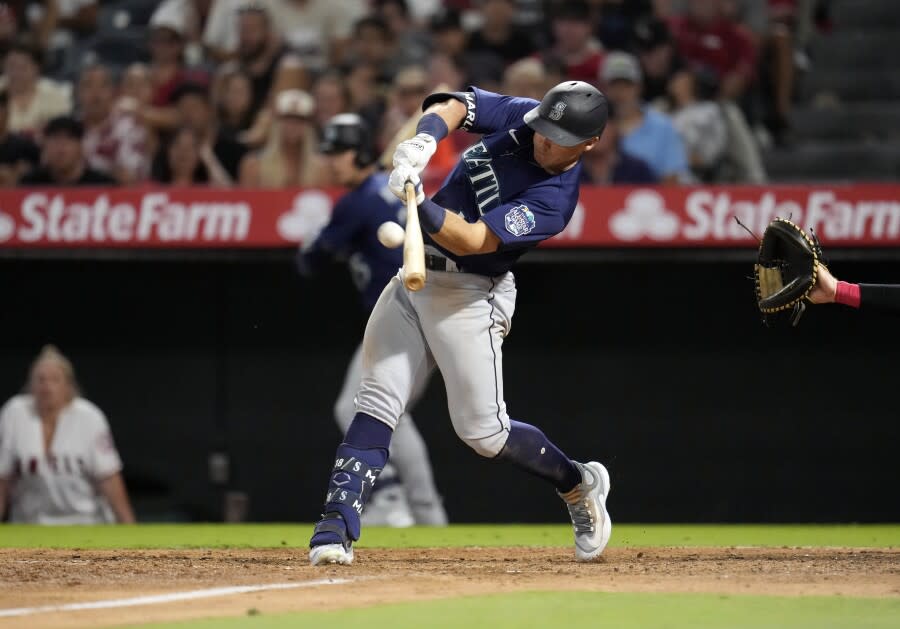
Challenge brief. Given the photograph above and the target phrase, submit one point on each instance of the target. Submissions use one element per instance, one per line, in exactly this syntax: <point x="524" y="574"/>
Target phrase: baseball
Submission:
<point x="391" y="235"/>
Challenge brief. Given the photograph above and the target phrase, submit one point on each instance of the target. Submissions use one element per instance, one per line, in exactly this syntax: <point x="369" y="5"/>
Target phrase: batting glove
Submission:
<point x="397" y="183"/>
<point x="415" y="152"/>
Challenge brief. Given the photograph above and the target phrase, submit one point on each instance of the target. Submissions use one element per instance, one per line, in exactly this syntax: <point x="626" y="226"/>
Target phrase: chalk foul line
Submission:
<point x="172" y="597"/>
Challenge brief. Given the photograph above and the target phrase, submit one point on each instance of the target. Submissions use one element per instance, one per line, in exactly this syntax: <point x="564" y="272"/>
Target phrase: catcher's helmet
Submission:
<point x="570" y="113"/>
<point x="348" y="132"/>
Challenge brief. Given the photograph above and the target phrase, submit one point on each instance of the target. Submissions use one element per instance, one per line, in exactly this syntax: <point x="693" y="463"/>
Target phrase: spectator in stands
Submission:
<point x="617" y="21"/>
<point x="498" y="35"/>
<point x="413" y="43"/>
<point x="186" y="161"/>
<point x="447" y="33"/>
<point x="526" y="78"/>
<point x="135" y="89"/>
<point x="32" y="20"/>
<point x="645" y="133"/>
<point x="373" y="43"/>
<point x="62" y="157"/>
<point x="58" y="462"/>
<point x="409" y="89"/>
<point x="33" y="100"/>
<point x="76" y="21"/>
<point x="660" y="61"/>
<point x="167" y="72"/>
<point x="331" y="97"/>
<point x="700" y="122"/>
<point x="234" y="104"/>
<point x="574" y="43"/>
<point x="607" y="164"/>
<point x="446" y="72"/>
<point x="18" y="153"/>
<point x="705" y="37"/>
<point x="272" y="68"/>
<point x="318" y="31"/>
<point x="114" y="143"/>
<point x="221" y="154"/>
<point x="777" y="27"/>
<point x="290" y="157"/>
<point x="208" y="25"/>
<point x="365" y="93"/>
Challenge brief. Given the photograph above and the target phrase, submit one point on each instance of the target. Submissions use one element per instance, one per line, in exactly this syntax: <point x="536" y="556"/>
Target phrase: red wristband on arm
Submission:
<point x="847" y="294"/>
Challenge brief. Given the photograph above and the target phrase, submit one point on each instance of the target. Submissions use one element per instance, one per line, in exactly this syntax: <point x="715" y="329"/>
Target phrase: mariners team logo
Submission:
<point x="557" y="112"/>
<point x="519" y="221"/>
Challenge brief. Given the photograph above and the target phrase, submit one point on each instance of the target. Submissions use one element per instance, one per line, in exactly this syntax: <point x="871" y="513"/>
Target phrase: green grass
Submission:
<point x="579" y="609"/>
<point x="297" y="535"/>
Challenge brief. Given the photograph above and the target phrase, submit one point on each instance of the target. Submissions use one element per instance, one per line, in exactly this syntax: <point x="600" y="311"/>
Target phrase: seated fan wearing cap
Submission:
<point x="289" y="157"/>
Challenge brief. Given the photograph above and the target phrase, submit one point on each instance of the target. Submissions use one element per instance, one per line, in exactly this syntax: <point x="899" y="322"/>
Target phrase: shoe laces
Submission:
<point x="582" y="520"/>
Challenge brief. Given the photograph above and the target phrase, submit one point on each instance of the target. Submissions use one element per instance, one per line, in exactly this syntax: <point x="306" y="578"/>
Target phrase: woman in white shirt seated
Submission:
<point x="58" y="462"/>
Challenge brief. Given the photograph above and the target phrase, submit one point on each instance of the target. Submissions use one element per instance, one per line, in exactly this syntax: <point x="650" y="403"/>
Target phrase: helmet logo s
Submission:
<point x="557" y="112"/>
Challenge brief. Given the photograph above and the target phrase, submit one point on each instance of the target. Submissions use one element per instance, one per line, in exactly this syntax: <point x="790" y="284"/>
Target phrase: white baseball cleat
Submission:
<point x="587" y="508"/>
<point x="331" y="553"/>
<point x="388" y="507"/>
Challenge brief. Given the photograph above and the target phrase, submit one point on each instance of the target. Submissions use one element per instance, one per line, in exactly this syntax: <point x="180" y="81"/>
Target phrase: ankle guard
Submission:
<point x="352" y="479"/>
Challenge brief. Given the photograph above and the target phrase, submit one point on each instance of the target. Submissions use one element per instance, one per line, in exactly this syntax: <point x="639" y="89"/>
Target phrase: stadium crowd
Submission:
<point x="235" y="92"/>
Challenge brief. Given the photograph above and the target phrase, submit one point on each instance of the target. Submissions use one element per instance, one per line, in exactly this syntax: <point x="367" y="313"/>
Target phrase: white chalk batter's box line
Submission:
<point x="172" y="597"/>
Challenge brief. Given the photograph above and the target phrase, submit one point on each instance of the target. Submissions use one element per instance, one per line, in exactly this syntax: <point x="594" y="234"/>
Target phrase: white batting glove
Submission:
<point x="415" y="152"/>
<point x="397" y="183"/>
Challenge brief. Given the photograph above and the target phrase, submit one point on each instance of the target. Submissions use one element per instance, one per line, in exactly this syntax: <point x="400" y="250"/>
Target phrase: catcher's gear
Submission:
<point x="786" y="269"/>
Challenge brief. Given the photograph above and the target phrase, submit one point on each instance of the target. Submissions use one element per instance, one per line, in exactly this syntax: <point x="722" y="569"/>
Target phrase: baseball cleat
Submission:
<point x="330" y="543"/>
<point x="388" y="507"/>
<point x="331" y="554"/>
<point x="587" y="508"/>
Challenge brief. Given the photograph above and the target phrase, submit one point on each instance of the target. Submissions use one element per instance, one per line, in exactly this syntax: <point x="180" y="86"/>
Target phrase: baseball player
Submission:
<point x="351" y="234"/>
<point x="509" y="191"/>
<point x="880" y="297"/>
<point x="58" y="462"/>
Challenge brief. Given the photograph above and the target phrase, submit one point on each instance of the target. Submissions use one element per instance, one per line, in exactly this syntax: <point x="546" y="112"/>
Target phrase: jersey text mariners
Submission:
<point x="497" y="180"/>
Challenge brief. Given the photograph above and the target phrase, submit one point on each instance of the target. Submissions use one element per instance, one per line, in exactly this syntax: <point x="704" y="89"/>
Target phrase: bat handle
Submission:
<point x="413" y="247"/>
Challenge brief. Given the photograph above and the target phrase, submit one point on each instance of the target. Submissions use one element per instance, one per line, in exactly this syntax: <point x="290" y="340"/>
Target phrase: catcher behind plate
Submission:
<point x="786" y="270"/>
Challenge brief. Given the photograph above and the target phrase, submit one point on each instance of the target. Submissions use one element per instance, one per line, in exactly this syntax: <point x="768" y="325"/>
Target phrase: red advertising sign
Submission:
<point x="852" y="215"/>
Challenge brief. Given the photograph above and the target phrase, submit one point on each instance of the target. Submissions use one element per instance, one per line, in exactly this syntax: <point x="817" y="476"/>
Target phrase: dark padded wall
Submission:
<point x="662" y="371"/>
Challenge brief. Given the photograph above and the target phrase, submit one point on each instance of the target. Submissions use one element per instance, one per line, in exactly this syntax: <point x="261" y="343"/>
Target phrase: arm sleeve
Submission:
<point x="881" y="297"/>
<point x="487" y="112"/>
<point x="6" y="453"/>
<point x="525" y="222"/>
<point x="334" y="238"/>
<point x="104" y="458"/>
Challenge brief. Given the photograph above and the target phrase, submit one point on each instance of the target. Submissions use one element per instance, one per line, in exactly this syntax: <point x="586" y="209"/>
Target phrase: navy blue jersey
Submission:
<point x="351" y="234"/>
<point x="498" y="181"/>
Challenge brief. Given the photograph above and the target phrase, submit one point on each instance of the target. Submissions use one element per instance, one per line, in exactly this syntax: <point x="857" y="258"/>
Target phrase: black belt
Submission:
<point x="438" y="263"/>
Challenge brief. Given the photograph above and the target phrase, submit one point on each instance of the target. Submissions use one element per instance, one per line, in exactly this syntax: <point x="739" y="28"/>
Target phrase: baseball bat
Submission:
<point x="413" y="247"/>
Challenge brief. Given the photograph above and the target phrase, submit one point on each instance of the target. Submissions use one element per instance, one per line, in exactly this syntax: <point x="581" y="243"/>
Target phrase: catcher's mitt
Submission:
<point x="786" y="269"/>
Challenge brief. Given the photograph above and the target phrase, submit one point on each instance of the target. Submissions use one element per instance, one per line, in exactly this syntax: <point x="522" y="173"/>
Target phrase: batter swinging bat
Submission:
<point x="413" y="247"/>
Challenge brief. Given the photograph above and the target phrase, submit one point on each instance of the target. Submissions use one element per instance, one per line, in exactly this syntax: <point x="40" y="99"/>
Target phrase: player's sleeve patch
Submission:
<point x="519" y="221"/>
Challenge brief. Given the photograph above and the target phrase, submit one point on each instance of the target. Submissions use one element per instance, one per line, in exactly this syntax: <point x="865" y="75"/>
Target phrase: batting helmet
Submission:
<point x="570" y="113"/>
<point x="349" y="132"/>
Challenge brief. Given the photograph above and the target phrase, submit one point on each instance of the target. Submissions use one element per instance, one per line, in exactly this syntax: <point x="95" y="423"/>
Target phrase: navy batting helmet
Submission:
<point x="348" y="132"/>
<point x="570" y="113"/>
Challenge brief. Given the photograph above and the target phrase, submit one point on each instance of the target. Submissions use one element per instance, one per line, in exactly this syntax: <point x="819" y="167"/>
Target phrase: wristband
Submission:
<point x="431" y="216"/>
<point x="433" y="125"/>
<point x="847" y="294"/>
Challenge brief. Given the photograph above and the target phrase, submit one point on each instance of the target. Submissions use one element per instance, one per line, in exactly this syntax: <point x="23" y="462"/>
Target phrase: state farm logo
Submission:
<point x="7" y="227"/>
<point x="644" y="214"/>
<point x="707" y="214"/>
<point x="310" y="212"/>
<point x="151" y="217"/>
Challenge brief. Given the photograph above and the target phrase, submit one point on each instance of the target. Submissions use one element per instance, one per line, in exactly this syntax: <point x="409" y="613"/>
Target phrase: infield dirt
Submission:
<point x="30" y="578"/>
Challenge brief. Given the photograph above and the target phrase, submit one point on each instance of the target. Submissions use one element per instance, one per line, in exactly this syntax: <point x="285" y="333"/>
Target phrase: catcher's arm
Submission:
<point x="828" y="289"/>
